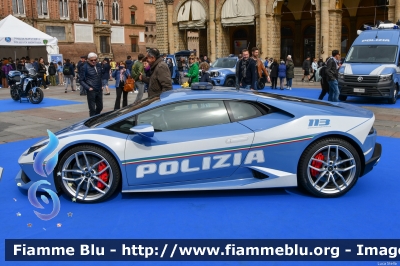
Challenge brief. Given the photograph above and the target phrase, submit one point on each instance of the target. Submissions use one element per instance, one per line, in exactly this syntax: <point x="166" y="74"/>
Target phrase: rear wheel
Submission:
<point x="230" y="82"/>
<point x="88" y="174"/>
<point x="393" y="99"/>
<point x="36" y="97"/>
<point x="342" y="98"/>
<point x="329" y="168"/>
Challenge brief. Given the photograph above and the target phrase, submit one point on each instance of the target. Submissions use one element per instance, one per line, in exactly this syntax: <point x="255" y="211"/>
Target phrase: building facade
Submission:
<point x="111" y="28"/>
<point x="278" y="28"/>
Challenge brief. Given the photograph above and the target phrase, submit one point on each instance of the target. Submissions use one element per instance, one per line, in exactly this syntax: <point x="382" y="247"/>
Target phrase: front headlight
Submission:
<point x="371" y="131"/>
<point x="36" y="147"/>
<point x="341" y="75"/>
<point x="385" y="77"/>
<point x="214" y="74"/>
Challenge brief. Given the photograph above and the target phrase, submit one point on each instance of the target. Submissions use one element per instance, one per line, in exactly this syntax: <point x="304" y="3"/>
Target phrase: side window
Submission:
<point x="124" y="126"/>
<point x="243" y="110"/>
<point x="186" y="115"/>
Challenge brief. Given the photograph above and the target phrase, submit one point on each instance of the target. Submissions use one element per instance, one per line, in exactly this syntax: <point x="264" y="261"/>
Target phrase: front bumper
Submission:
<point x="27" y="175"/>
<point x="219" y="81"/>
<point x="371" y="89"/>
<point x="376" y="156"/>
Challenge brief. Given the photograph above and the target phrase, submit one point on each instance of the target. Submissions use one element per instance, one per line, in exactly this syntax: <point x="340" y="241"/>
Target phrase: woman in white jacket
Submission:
<point x="314" y="67"/>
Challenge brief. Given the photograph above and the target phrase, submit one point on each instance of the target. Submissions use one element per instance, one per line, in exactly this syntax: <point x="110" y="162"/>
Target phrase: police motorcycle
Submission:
<point x="25" y="84"/>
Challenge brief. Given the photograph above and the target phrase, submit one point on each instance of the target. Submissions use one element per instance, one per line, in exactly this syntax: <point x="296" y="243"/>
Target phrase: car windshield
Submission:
<point x="225" y="62"/>
<point x="100" y="119"/>
<point x="372" y="54"/>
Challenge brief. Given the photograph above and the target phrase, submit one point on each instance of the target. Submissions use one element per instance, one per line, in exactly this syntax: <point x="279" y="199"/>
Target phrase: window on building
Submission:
<point x="104" y="44"/>
<point x="18" y="7"/>
<point x="42" y="8"/>
<point x="99" y="9"/>
<point x="56" y="31"/>
<point x="115" y="11"/>
<point x="134" y="45"/>
<point x="150" y="1"/>
<point x="82" y="6"/>
<point x="133" y="17"/>
<point x="64" y="9"/>
<point x="147" y="29"/>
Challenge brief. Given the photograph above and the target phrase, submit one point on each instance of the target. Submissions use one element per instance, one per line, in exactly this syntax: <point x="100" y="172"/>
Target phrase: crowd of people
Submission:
<point x="152" y="73"/>
<point x="250" y="70"/>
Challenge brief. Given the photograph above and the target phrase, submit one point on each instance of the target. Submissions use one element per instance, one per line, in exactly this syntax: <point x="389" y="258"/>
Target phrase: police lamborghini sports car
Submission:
<point x="211" y="140"/>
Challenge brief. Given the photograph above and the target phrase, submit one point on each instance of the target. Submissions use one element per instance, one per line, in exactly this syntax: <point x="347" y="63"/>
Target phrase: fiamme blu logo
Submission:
<point x="45" y="168"/>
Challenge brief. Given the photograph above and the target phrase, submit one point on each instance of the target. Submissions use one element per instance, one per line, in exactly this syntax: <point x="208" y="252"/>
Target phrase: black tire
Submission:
<point x="14" y="93"/>
<point x="342" y="98"/>
<point x="36" y="97"/>
<point x="393" y="99"/>
<point x="327" y="181"/>
<point x="230" y="82"/>
<point x="69" y="174"/>
<point x="260" y="85"/>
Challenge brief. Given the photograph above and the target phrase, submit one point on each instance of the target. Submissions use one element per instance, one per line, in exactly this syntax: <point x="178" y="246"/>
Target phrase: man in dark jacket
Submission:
<point x="105" y="74"/>
<point x="81" y="62"/>
<point x="90" y="75"/>
<point x="332" y="72"/>
<point x="129" y="63"/>
<point x="246" y="71"/>
<point x="306" y="69"/>
<point x="160" y="79"/>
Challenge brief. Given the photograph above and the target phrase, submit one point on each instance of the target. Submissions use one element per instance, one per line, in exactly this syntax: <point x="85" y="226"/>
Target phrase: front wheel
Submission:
<point x="88" y="174"/>
<point x="393" y="99"/>
<point x="230" y="82"/>
<point x="36" y="97"/>
<point x="14" y="93"/>
<point x="260" y="84"/>
<point x="329" y="168"/>
<point x="342" y="98"/>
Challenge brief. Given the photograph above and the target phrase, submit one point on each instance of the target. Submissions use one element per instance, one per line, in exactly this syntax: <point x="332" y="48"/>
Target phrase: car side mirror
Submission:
<point x="145" y="130"/>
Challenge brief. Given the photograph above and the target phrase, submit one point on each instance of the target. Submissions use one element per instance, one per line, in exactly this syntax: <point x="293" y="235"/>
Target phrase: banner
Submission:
<point x="21" y="41"/>
<point x="202" y="250"/>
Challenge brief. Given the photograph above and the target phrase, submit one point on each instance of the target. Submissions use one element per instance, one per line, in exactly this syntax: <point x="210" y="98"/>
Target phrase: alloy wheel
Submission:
<point x="331" y="169"/>
<point x="86" y="175"/>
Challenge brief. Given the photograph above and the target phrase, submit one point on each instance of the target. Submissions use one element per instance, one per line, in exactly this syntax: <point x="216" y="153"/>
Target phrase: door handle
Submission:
<point x="237" y="139"/>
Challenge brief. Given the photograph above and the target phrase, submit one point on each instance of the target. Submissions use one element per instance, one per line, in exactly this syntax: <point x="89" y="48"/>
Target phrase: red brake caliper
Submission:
<point x="316" y="164"/>
<point x="103" y="176"/>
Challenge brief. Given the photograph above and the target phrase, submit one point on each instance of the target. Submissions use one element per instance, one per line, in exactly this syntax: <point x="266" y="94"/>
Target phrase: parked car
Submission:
<point x="223" y="71"/>
<point x="175" y="72"/>
<point x="185" y="140"/>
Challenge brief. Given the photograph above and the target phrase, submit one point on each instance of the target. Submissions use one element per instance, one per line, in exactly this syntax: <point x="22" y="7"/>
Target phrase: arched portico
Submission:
<point x="190" y="21"/>
<point x="233" y="19"/>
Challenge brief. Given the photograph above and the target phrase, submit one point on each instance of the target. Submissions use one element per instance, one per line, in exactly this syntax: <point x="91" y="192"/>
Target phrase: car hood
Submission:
<point x="221" y="69"/>
<point x="75" y="127"/>
<point x="367" y="69"/>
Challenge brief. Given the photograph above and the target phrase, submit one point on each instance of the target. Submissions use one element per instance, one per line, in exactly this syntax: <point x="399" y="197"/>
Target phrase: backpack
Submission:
<point x="135" y="71"/>
<point x="321" y="73"/>
<point x="66" y="70"/>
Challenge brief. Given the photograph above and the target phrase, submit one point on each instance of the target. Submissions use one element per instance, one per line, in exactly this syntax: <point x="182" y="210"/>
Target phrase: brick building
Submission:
<point x="111" y="28"/>
<point x="276" y="27"/>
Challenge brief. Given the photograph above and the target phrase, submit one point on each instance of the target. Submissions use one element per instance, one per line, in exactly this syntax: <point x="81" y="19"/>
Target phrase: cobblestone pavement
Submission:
<point x="31" y="123"/>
